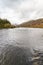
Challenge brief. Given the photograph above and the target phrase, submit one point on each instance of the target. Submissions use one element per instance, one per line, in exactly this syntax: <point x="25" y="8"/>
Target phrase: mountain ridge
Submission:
<point x="38" y="23"/>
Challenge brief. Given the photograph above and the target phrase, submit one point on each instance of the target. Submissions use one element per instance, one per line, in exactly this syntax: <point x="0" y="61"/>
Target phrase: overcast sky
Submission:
<point x="18" y="11"/>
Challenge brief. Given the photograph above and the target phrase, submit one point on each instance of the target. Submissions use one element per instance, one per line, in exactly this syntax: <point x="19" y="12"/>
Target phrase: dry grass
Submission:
<point x="33" y="23"/>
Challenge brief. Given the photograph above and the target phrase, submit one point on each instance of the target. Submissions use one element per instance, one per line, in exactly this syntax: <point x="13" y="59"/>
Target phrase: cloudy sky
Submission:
<point x="18" y="11"/>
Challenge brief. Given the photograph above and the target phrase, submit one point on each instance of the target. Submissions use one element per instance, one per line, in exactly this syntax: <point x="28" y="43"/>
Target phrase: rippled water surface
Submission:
<point x="18" y="44"/>
<point x="22" y="37"/>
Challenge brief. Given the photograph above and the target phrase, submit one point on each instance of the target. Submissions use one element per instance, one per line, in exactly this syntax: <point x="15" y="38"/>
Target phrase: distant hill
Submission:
<point x="32" y="23"/>
<point x="4" y="23"/>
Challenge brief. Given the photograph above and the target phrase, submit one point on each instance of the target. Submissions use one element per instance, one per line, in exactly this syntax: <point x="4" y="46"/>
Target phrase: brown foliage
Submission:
<point x="33" y="23"/>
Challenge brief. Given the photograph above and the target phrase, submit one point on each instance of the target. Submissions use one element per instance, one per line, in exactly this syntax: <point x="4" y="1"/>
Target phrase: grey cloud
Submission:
<point x="11" y="3"/>
<point x="21" y="10"/>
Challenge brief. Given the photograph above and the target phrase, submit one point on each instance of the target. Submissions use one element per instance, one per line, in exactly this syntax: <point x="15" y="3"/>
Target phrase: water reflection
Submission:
<point x="21" y="46"/>
<point x="14" y="55"/>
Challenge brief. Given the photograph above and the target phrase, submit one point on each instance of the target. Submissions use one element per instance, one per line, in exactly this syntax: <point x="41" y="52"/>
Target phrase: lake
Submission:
<point x="17" y="46"/>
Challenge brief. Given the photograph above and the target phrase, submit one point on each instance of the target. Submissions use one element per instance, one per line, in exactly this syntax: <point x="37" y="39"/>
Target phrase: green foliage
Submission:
<point x="4" y="23"/>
